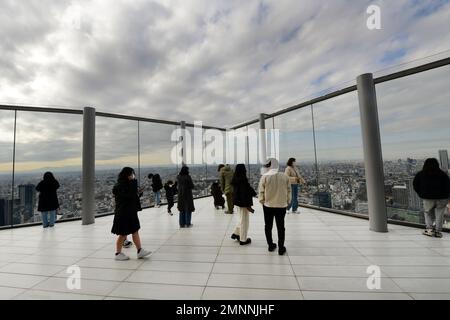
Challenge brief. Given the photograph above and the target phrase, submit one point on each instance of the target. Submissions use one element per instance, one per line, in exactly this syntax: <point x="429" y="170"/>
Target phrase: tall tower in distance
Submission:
<point x="443" y="159"/>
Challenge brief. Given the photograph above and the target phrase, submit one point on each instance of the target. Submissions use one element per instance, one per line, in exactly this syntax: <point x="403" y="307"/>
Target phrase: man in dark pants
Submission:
<point x="275" y="196"/>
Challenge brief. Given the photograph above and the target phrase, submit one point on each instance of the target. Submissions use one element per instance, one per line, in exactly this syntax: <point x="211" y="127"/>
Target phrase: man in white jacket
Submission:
<point x="275" y="196"/>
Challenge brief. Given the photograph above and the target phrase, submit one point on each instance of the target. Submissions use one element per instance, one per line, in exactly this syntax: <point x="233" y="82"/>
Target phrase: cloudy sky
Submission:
<point x="221" y="62"/>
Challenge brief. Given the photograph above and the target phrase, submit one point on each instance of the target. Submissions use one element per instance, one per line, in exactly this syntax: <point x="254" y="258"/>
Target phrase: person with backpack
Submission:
<point x="433" y="186"/>
<point x="243" y="195"/>
<point x="216" y="192"/>
<point x="48" y="199"/>
<point x="171" y="191"/>
<point x="226" y="175"/>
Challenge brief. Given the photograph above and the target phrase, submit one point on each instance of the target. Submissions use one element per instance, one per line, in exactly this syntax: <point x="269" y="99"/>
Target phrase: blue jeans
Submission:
<point x="45" y="218"/>
<point x="157" y="198"/>
<point x="294" y="202"/>
<point x="185" y="218"/>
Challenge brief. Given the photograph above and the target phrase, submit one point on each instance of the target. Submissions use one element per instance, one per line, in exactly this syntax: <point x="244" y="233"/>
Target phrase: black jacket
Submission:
<point x="243" y="193"/>
<point x="48" y="199"/>
<point x="126" y="197"/>
<point x="185" y="198"/>
<point x="156" y="183"/>
<point x="432" y="186"/>
<point x="171" y="191"/>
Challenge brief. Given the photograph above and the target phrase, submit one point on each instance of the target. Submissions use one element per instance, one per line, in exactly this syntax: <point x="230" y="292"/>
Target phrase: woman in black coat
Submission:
<point x="433" y="186"/>
<point x="126" y="221"/>
<point x="48" y="199"/>
<point x="243" y="199"/>
<point x="185" y="198"/>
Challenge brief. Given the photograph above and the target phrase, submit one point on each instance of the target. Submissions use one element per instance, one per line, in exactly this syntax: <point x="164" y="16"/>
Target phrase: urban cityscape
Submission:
<point x="338" y="185"/>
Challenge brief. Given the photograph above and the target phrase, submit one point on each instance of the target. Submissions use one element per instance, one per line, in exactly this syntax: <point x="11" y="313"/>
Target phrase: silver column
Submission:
<point x="88" y="176"/>
<point x="373" y="159"/>
<point x="262" y="138"/>
<point x="183" y="144"/>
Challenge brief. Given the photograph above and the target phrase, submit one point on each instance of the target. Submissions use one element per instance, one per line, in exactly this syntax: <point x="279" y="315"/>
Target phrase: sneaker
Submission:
<point x="243" y="243"/>
<point x="282" y="251"/>
<point x="143" y="253"/>
<point x="272" y="247"/>
<point x="189" y="225"/>
<point x="170" y="214"/>
<point x="428" y="232"/>
<point x="217" y="207"/>
<point x="127" y="244"/>
<point x="235" y="237"/>
<point x="294" y="212"/>
<point x="438" y="234"/>
<point x="288" y="211"/>
<point x="121" y="257"/>
<point x="182" y="226"/>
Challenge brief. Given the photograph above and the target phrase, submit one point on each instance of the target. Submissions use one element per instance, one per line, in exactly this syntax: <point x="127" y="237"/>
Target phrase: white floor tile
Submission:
<point x="157" y="291"/>
<point x="215" y="293"/>
<point x="253" y="281"/>
<point x="180" y="278"/>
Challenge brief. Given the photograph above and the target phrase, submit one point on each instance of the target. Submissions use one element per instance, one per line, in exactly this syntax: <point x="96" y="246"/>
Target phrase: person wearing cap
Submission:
<point x="275" y="196"/>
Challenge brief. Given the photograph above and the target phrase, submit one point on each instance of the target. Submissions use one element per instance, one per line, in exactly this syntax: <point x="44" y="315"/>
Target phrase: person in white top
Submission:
<point x="275" y="196"/>
<point x="296" y="180"/>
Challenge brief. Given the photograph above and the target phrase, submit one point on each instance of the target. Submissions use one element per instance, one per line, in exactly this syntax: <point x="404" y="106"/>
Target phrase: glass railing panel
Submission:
<point x="47" y="142"/>
<point x="340" y="156"/>
<point x="116" y="147"/>
<point x="155" y="158"/>
<point x="296" y="140"/>
<point x="6" y="167"/>
<point x="414" y="125"/>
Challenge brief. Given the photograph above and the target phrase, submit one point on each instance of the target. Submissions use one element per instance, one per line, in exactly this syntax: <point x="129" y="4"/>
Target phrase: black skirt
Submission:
<point x="125" y="223"/>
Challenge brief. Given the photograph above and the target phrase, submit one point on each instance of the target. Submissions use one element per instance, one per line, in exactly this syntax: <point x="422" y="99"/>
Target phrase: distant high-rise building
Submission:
<point x="27" y="196"/>
<point x="415" y="203"/>
<point x="6" y="207"/>
<point x="322" y="199"/>
<point x="443" y="159"/>
<point x="400" y="196"/>
<point x="362" y="207"/>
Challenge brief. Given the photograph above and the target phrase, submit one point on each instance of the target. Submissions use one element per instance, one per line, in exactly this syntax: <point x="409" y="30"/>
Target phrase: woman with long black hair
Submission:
<point x="48" y="199"/>
<point x="243" y="195"/>
<point x="126" y="221"/>
<point x="433" y="186"/>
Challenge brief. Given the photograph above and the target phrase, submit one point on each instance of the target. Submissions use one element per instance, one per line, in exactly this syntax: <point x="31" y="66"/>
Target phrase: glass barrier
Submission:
<point x="155" y="149"/>
<point x="6" y="167"/>
<point x="47" y="142"/>
<point x="414" y="125"/>
<point x="116" y="147"/>
<point x="340" y="157"/>
<point x="296" y="140"/>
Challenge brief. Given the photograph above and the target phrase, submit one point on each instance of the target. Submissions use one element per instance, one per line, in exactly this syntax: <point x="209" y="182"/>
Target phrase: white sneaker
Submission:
<point x="428" y="232"/>
<point x="121" y="257"/>
<point x="143" y="253"/>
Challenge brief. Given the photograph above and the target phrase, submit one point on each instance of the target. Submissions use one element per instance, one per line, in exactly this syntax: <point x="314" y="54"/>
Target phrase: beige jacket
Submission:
<point x="293" y="174"/>
<point x="275" y="190"/>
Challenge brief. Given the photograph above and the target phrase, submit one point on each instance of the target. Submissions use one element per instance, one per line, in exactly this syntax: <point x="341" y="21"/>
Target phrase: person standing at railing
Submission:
<point x="433" y="186"/>
<point x="48" y="199"/>
<point x="243" y="195"/>
<point x="126" y="221"/>
<point x="185" y="198"/>
<point x="171" y="191"/>
<point x="157" y="186"/>
<point x="225" y="176"/>
<point x="275" y="196"/>
<point x="296" y="181"/>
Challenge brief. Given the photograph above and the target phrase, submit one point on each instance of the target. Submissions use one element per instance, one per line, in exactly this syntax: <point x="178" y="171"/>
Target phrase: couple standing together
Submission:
<point x="277" y="192"/>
